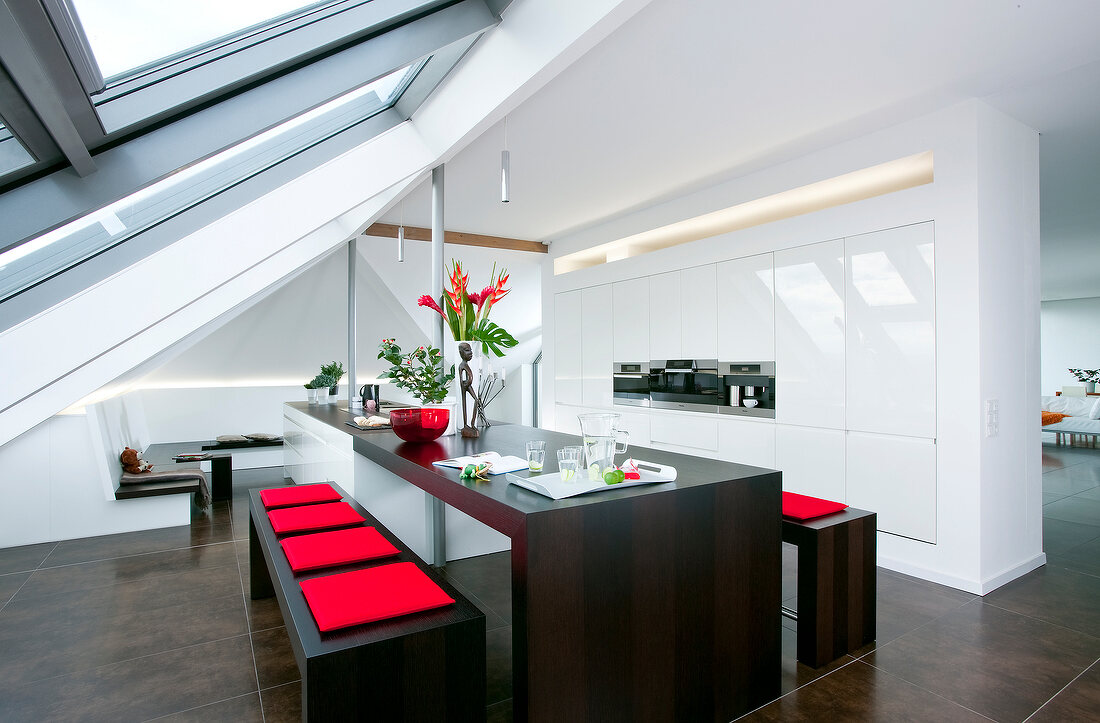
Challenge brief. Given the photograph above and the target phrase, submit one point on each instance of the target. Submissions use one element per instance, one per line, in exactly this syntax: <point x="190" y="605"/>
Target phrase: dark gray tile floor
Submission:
<point x="158" y="625"/>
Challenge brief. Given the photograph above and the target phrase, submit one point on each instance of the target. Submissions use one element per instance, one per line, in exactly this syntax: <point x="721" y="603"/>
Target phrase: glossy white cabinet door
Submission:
<point x="567" y="348"/>
<point x="746" y="309"/>
<point x="630" y="307"/>
<point x="565" y="419"/>
<point x="636" y="424"/>
<point x="890" y="309"/>
<point x="895" y="477"/>
<point x="812" y="461"/>
<point x="747" y="441"/>
<point x="596" y="343"/>
<point x="809" y="335"/>
<point x="699" y="313"/>
<point x="664" y="316"/>
<point x="684" y="431"/>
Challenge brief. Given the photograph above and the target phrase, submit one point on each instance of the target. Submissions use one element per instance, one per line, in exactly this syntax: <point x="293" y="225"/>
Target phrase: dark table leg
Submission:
<point x="221" y="474"/>
<point x="836" y="590"/>
<point x="663" y="607"/>
<point x="259" y="578"/>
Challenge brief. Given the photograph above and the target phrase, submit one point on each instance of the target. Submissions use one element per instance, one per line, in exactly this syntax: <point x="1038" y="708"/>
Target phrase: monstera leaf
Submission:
<point x="493" y="337"/>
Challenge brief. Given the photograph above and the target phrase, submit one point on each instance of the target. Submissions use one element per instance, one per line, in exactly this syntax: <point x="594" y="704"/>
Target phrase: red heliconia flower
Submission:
<point x="478" y="298"/>
<point x="429" y="302"/>
<point x="499" y="292"/>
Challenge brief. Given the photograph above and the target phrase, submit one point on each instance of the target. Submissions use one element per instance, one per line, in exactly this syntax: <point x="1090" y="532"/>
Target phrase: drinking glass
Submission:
<point x="569" y="461"/>
<point x="536" y="455"/>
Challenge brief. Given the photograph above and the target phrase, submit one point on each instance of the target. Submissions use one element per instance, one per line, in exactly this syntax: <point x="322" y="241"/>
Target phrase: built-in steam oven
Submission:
<point x="748" y="389"/>
<point x="687" y="384"/>
<point x="630" y="382"/>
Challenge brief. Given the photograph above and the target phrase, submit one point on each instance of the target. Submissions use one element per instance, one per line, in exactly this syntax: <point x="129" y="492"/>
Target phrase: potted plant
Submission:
<point x="311" y="392"/>
<point x="322" y="383"/>
<point x="1087" y="376"/>
<point x="335" y="370"/>
<point x="419" y="372"/>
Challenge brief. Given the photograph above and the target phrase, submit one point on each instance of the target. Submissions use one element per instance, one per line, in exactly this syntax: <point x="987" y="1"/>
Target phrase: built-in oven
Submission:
<point x="748" y="389"/>
<point x="630" y="382"/>
<point x="688" y="384"/>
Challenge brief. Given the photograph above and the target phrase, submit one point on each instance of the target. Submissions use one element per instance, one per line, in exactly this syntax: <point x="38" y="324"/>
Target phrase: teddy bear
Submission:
<point x="132" y="463"/>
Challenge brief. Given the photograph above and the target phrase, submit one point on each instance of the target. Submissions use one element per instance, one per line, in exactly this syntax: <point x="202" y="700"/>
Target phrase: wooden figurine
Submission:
<point x="466" y="384"/>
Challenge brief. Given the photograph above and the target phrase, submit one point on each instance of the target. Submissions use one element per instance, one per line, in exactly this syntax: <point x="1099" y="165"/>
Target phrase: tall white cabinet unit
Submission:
<point x="596" y="346"/>
<point x="630" y="325"/>
<point x="699" y="313"/>
<point x="809" y="335"/>
<point x="746" y="303"/>
<point x="567" y="348"/>
<point x="665" y="325"/>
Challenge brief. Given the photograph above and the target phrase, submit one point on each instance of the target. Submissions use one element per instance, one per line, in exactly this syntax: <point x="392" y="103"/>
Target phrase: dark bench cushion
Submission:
<point x="804" y="507"/>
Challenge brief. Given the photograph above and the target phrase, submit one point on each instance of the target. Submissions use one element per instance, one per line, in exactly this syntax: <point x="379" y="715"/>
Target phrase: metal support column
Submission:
<point x="352" y="254"/>
<point x="438" y="510"/>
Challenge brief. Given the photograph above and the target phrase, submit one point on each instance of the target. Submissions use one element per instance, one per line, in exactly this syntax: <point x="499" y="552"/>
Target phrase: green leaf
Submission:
<point x="493" y="337"/>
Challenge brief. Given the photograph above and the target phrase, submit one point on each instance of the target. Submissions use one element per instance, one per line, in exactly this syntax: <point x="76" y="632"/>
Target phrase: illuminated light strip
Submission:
<point x="897" y="175"/>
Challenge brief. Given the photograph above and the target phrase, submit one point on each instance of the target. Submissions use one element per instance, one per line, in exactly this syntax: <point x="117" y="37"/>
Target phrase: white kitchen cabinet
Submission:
<point x="567" y="348"/>
<point x="596" y="346"/>
<point x="699" y="312"/>
<point x="747" y="441"/>
<point x="565" y="419"/>
<point x="812" y="461"/>
<point x="636" y="424"/>
<point x="746" y="309"/>
<point x="895" y="477"/>
<point x="809" y="335"/>
<point x="890" y="314"/>
<point x="630" y="323"/>
<point x="665" y="324"/>
<point x="692" y="433"/>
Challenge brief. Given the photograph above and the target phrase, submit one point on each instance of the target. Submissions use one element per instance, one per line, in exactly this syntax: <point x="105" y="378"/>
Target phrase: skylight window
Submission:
<point x="126" y="35"/>
<point x="12" y="153"/>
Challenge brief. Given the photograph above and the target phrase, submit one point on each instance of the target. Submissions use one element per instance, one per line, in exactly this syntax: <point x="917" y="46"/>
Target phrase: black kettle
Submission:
<point x="369" y="392"/>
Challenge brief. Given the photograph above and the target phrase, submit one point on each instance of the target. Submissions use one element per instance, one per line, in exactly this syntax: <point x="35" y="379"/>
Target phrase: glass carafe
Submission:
<point x="602" y="440"/>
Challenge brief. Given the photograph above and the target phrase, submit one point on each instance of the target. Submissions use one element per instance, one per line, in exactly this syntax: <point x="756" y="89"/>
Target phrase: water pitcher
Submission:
<point x="602" y="440"/>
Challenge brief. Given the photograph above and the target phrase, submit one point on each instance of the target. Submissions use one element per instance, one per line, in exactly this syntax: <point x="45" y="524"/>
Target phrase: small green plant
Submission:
<point x="420" y="372"/>
<point x="322" y="381"/>
<point x="334" y="370"/>
<point x="1086" y="375"/>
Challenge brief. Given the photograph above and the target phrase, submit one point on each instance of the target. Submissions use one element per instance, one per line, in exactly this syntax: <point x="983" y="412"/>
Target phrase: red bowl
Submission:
<point x="420" y="424"/>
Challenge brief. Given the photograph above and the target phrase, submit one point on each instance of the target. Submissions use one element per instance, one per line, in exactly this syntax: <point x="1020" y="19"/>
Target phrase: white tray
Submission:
<point x="550" y="485"/>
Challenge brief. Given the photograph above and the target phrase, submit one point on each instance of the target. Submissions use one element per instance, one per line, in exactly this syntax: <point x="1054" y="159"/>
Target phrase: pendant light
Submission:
<point x="505" y="168"/>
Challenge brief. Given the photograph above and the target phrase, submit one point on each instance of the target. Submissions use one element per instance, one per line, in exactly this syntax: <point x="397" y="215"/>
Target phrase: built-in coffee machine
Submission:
<point x="749" y="388"/>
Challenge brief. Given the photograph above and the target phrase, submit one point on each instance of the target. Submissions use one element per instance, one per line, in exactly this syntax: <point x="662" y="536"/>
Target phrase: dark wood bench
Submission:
<point x="427" y="666"/>
<point x="836" y="583"/>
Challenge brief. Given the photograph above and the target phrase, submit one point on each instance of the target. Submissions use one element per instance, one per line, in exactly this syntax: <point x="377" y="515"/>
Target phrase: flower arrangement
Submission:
<point x="420" y="372"/>
<point x="467" y="312"/>
<point x="1086" y="375"/>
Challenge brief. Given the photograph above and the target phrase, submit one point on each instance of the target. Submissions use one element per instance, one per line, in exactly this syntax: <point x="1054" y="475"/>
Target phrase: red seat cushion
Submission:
<point x="313" y="517"/>
<point x="298" y="495"/>
<point x="802" y="507"/>
<point x="339" y="547"/>
<point x="363" y="596"/>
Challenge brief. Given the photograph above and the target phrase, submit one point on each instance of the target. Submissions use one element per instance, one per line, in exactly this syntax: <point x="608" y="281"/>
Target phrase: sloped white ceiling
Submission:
<point x="686" y="94"/>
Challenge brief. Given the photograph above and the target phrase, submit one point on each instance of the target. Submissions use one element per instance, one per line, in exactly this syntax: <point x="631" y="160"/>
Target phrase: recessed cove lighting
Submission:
<point x="897" y="175"/>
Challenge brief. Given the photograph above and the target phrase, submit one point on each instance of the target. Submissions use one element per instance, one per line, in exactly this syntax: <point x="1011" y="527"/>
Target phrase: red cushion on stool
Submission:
<point x="313" y="517"/>
<point x="339" y="547"/>
<point x="363" y="596"/>
<point x="803" y="507"/>
<point x="298" y="495"/>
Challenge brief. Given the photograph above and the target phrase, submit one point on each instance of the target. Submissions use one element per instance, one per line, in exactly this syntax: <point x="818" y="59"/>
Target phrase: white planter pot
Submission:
<point x="311" y="395"/>
<point x="1090" y="387"/>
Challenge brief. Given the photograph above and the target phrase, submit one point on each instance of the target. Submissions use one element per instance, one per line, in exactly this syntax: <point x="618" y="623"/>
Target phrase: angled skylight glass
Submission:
<point x="12" y="153"/>
<point x="62" y="248"/>
<point x="126" y="35"/>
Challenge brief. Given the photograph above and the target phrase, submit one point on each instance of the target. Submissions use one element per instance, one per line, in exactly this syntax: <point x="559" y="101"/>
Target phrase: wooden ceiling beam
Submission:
<point x="414" y="233"/>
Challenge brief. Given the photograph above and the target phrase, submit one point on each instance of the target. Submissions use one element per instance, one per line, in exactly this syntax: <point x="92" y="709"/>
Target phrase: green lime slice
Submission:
<point x="568" y="474"/>
<point x="535" y="467"/>
<point x="594" y="472"/>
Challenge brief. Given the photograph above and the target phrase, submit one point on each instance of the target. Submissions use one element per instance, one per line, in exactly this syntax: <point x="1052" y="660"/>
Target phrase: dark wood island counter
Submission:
<point x="657" y="602"/>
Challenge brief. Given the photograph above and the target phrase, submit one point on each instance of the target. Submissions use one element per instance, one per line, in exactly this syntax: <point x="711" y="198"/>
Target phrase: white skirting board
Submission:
<point x="983" y="587"/>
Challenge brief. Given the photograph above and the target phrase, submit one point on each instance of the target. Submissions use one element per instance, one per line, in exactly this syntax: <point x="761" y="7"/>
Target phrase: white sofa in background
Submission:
<point x="1084" y="416"/>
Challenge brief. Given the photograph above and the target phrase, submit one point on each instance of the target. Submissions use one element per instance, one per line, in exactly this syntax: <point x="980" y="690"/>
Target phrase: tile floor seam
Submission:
<point x="919" y="627"/>
<point x="796" y="689"/>
<point x="214" y="702"/>
<point x="1047" y="622"/>
<point x="280" y="685"/>
<point x="930" y="692"/>
<point x="1064" y="688"/>
<point x="247" y="619"/>
<point x="6" y="602"/>
<point x="136" y="554"/>
<point x="117" y="583"/>
<point x="139" y="657"/>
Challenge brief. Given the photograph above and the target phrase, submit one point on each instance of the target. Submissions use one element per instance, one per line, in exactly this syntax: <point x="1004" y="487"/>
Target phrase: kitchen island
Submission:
<point x="656" y="602"/>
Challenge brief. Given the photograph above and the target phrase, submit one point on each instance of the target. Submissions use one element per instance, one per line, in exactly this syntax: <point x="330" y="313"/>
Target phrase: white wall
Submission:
<point x="1070" y="339"/>
<point x="970" y="222"/>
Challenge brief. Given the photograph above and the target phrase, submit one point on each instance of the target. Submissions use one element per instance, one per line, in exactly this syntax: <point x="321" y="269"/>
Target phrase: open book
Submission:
<point x="500" y="464"/>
